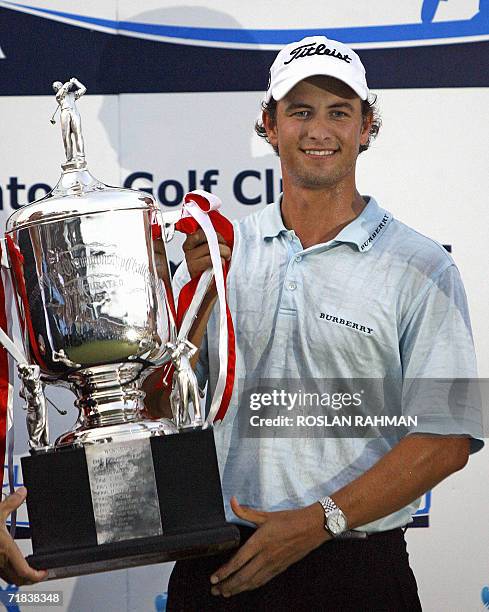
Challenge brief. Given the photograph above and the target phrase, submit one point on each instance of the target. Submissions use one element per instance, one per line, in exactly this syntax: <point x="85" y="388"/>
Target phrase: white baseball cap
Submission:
<point x="315" y="55"/>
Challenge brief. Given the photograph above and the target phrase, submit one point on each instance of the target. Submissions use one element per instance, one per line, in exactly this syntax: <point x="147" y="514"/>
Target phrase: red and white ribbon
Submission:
<point x="201" y="210"/>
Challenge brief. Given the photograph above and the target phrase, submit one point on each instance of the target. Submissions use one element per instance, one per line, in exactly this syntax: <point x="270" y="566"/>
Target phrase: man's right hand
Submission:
<point x="14" y="569"/>
<point x="197" y="254"/>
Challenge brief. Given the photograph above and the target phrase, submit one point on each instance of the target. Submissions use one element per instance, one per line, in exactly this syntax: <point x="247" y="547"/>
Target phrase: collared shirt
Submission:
<point x="378" y="302"/>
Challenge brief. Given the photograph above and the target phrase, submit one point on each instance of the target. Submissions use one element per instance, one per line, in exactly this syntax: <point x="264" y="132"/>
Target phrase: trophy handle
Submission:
<point x="185" y="388"/>
<point x="197" y="212"/>
<point x="179" y="349"/>
<point x="33" y="393"/>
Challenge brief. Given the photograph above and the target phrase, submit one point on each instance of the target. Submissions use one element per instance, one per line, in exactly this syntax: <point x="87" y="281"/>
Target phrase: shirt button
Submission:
<point x="298" y="258"/>
<point x="292" y="286"/>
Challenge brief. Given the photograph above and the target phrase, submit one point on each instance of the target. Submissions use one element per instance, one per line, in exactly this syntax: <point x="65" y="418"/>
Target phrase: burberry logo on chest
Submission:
<point x="364" y="329"/>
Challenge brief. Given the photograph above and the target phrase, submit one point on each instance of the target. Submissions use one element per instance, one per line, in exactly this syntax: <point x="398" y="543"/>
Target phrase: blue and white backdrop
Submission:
<point x="173" y="92"/>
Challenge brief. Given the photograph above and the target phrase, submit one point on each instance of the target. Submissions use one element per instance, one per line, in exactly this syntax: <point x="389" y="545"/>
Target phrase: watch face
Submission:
<point x="336" y="522"/>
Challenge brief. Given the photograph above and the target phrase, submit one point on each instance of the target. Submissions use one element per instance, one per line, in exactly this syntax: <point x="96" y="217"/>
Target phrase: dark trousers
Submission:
<point x="360" y="575"/>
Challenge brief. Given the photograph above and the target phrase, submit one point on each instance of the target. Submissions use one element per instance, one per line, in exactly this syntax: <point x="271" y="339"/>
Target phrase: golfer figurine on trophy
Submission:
<point x="66" y="96"/>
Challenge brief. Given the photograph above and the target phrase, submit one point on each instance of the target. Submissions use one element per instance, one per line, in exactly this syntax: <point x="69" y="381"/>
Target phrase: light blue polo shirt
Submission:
<point x="380" y="301"/>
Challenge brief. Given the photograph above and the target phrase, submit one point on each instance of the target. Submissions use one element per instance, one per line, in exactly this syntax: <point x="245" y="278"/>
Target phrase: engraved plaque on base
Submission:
<point x="123" y="487"/>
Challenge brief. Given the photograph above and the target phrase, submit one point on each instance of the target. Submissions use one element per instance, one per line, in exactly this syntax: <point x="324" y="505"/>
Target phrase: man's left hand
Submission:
<point x="282" y="538"/>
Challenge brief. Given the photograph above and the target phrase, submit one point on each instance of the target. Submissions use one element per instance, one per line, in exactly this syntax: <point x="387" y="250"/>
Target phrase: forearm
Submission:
<point x="412" y="467"/>
<point x="157" y="398"/>
<point x="197" y="331"/>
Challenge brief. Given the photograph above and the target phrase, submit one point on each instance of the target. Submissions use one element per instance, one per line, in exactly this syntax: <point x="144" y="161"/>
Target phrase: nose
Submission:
<point x="318" y="129"/>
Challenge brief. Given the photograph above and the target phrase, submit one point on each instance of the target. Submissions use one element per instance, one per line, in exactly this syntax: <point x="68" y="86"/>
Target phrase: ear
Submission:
<point x="366" y="125"/>
<point x="270" y="128"/>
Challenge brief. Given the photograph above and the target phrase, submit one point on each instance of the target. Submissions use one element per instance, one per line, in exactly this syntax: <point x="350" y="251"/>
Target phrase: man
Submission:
<point x="326" y="284"/>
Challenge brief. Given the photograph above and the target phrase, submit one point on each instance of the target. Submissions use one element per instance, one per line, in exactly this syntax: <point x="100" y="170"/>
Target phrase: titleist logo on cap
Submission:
<point x="315" y="49"/>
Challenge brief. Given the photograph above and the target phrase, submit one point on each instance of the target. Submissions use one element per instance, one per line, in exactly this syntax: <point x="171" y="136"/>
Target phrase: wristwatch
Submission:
<point x="335" y="521"/>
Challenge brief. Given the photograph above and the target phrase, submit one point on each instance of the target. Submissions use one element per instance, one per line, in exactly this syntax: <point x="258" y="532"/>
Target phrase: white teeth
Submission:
<point x="319" y="153"/>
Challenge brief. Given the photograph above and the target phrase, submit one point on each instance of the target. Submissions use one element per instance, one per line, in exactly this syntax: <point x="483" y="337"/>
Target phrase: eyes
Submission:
<point x="303" y="114"/>
<point x="339" y="114"/>
<point x="333" y="114"/>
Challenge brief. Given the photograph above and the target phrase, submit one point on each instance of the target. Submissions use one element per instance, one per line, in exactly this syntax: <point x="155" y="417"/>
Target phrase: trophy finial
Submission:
<point x="66" y="96"/>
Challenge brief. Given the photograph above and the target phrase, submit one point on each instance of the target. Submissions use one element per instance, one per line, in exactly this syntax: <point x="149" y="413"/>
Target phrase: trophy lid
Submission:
<point x="77" y="191"/>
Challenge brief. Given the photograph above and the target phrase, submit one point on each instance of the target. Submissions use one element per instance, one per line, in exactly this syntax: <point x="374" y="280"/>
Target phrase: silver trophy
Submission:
<point x="95" y="306"/>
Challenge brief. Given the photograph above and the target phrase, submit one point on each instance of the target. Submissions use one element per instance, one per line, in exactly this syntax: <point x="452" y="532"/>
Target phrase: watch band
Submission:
<point x="328" y="505"/>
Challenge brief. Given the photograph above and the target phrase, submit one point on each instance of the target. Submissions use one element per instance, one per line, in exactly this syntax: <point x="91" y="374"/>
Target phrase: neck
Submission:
<point x="317" y="216"/>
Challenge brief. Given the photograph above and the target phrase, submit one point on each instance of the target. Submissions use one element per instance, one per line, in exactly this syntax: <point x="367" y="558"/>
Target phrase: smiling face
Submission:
<point x="318" y="130"/>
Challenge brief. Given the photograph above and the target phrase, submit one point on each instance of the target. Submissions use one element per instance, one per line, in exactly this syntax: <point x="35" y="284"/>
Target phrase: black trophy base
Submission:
<point x="132" y="553"/>
<point x="64" y="527"/>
